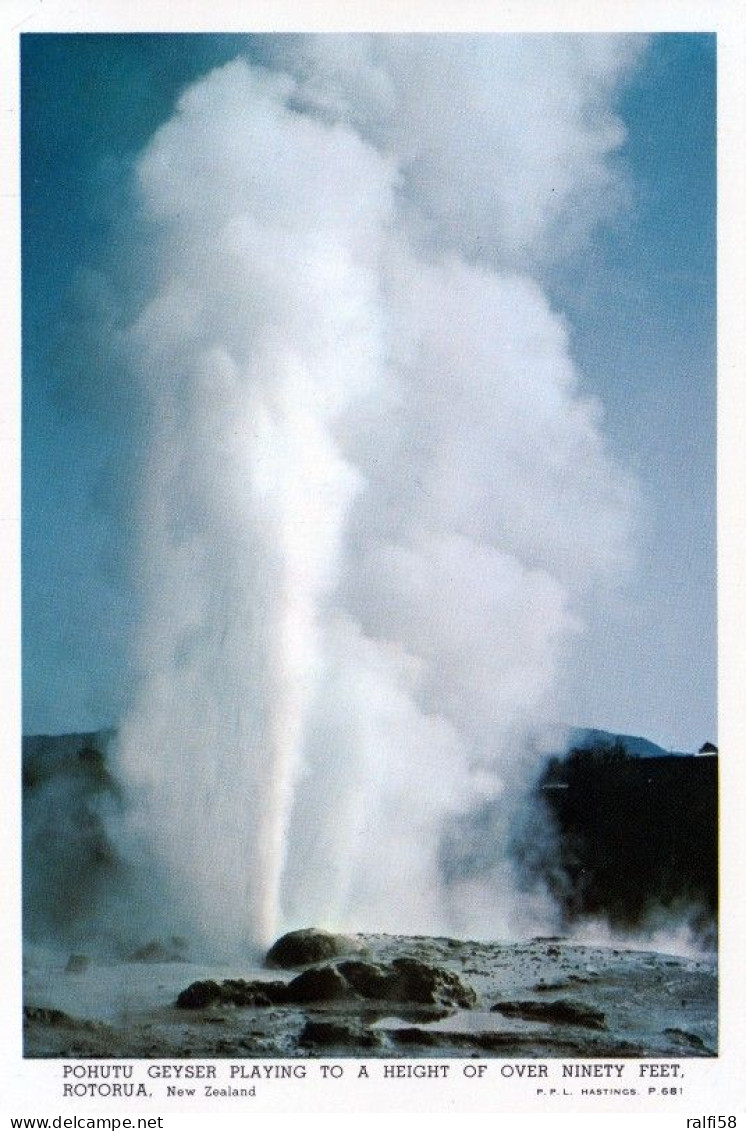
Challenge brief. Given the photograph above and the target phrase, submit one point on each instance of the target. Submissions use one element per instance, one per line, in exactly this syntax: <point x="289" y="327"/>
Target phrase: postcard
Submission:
<point x="372" y="498"/>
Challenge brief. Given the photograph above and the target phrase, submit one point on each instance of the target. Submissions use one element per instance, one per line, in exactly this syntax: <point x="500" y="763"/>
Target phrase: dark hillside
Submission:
<point x="633" y="833"/>
<point x="69" y="863"/>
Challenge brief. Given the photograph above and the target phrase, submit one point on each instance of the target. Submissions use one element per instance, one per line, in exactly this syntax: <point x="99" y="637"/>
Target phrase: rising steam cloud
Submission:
<point x="375" y="500"/>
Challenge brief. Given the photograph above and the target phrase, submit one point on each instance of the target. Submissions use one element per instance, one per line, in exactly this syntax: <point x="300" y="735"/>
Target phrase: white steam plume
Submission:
<point x="375" y="499"/>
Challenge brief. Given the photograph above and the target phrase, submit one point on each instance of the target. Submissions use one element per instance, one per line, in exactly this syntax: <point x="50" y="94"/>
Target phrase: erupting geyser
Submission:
<point x="374" y="499"/>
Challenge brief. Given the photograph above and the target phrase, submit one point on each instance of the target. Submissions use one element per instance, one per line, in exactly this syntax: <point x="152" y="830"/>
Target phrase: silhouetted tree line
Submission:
<point x="631" y="834"/>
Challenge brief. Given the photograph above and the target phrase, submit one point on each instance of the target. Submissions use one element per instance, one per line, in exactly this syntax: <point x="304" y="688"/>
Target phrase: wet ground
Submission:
<point x="382" y="996"/>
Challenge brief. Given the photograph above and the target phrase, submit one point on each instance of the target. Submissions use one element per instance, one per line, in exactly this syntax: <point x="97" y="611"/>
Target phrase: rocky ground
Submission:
<point x="379" y="996"/>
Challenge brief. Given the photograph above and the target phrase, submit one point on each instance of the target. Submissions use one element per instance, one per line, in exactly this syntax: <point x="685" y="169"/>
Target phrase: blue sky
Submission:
<point x="644" y="316"/>
<point x="639" y="303"/>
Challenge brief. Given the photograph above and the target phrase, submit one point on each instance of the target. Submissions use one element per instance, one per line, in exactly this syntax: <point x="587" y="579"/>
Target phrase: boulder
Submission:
<point x="233" y="991"/>
<point x="332" y="1033"/>
<point x="198" y="995"/>
<point x="560" y="1012"/>
<point x="236" y="991"/>
<point x="369" y="980"/>
<point x="404" y="981"/>
<point x="323" y="983"/>
<point x="407" y="980"/>
<point x="303" y="948"/>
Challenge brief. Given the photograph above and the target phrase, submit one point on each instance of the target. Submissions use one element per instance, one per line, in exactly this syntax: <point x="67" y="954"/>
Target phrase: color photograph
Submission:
<point x="369" y="546"/>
